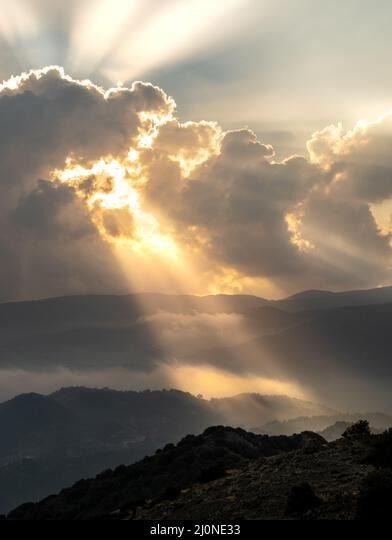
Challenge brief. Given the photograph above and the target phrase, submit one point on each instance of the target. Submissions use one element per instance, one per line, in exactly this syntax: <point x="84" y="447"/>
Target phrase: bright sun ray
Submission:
<point x="19" y="26"/>
<point x="120" y="39"/>
<point x="136" y="37"/>
<point x="113" y="191"/>
<point x="17" y="21"/>
<point x="382" y="213"/>
<point x="213" y="383"/>
<point x="104" y="18"/>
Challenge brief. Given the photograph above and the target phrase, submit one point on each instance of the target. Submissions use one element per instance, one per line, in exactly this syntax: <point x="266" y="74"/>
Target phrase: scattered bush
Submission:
<point x="196" y="459"/>
<point x="375" y="498"/>
<point x="171" y="492"/>
<point x="380" y="454"/>
<point x="215" y="472"/>
<point x="359" y="430"/>
<point x="302" y="499"/>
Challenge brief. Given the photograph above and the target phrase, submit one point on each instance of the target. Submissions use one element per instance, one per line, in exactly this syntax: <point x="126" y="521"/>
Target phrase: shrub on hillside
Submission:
<point x="214" y="472"/>
<point x="302" y="499"/>
<point x="374" y="501"/>
<point x="380" y="454"/>
<point x="359" y="430"/>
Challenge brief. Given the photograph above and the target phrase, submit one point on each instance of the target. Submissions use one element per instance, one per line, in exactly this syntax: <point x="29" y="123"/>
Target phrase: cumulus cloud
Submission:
<point x="48" y="242"/>
<point x="299" y="222"/>
<point x="339" y="218"/>
<point x="83" y="171"/>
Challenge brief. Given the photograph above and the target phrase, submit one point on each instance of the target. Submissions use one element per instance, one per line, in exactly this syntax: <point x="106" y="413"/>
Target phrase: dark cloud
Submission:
<point x="54" y="210"/>
<point x="53" y="248"/>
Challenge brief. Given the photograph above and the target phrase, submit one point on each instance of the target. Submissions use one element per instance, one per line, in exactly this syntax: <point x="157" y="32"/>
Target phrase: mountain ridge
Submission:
<point x="324" y="299"/>
<point x="340" y="298"/>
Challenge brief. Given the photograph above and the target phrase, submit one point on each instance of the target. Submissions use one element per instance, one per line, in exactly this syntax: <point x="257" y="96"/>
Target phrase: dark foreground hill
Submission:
<point x="195" y="460"/>
<point x="321" y="482"/>
<point x="228" y="474"/>
<point x="49" y="442"/>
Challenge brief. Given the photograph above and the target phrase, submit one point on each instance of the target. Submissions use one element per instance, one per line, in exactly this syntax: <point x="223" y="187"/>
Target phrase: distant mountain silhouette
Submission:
<point x="97" y="332"/>
<point x="72" y="310"/>
<point x="245" y="410"/>
<point x="342" y="354"/>
<point x="316" y="300"/>
<point x="330" y="427"/>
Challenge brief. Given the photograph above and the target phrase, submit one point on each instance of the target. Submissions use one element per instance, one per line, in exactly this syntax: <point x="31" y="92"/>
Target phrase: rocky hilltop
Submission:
<point x="229" y="474"/>
<point x="196" y="460"/>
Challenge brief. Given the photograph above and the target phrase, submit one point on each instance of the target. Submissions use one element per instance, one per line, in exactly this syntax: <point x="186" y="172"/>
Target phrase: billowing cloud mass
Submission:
<point x="101" y="191"/>
<point x="48" y="241"/>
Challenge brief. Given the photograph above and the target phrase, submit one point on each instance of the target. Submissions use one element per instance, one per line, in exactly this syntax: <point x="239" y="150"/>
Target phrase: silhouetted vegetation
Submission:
<point x="376" y="493"/>
<point x="302" y="499"/>
<point x="194" y="460"/>
<point x="214" y="472"/>
<point x="359" y="430"/>
<point x="380" y="454"/>
<point x="331" y="480"/>
<point x="375" y="498"/>
<point x="330" y="427"/>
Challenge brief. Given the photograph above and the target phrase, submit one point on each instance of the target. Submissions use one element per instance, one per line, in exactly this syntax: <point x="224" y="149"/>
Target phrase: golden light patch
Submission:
<point x="187" y="164"/>
<point x="149" y="131"/>
<point x="382" y="213"/>
<point x="230" y="281"/>
<point x="227" y="281"/>
<point x="190" y="144"/>
<point x="294" y="222"/>
<point x="215" y="383"/>
<point x="110" y="191"/>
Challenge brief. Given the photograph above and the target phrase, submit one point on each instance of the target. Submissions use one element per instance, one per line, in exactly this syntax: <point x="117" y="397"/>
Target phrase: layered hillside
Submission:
<point x="231" y="475"/>
<point x="195" y="460"/>
<point x="49" y="442"/>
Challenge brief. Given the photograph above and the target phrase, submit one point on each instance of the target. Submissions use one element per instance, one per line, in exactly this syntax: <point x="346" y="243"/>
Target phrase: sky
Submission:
<point x="285" y="68"/>
<point x="254" y="157"/>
